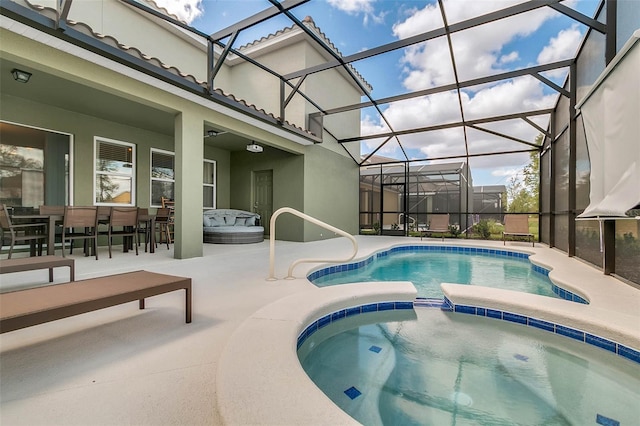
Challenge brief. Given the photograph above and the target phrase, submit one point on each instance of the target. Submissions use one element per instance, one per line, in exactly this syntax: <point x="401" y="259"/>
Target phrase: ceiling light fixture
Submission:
<point x="254" y="147"/>
<point x="20" y="76"/>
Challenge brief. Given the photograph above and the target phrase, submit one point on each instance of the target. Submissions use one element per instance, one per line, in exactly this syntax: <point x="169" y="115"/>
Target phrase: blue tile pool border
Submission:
<point x="559" y="291"/>
<point x="445" y="304"/>
<point x="349" y="312"/>
<point x="559" y="329"/>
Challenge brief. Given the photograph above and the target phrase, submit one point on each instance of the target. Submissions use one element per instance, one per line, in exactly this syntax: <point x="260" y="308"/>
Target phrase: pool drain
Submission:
<point x="461" y="398"/>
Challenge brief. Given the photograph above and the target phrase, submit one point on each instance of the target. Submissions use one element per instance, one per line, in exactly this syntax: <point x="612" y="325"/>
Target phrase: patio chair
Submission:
<point x="439" y="224"/>
<point x="21" y="232"/>
<point x="169" y="204"/>
<point x="55" y="211"/>
<point x="123" y="222"/>
<point x="80" y="223"/>
<point x="517" y="225"/>
<point x="143" y="226"/>
<point x="162" y="225"/>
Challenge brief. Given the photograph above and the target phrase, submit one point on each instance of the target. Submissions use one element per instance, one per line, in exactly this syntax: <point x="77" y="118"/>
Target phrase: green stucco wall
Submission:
<point x="288" y="186"/>
<point x="330" y="192"/>
<point x="321" y="183"/>
<point x="83" y="128"/>
<point x="223" y="178"/>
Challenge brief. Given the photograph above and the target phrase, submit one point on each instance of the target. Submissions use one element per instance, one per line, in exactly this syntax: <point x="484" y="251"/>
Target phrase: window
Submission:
<point x="163" y="176"/>
<point x="34" y="166"/>
<point x="163" y="179"/>
<point x="209" y="185"/>
<point x="114" y="172"/>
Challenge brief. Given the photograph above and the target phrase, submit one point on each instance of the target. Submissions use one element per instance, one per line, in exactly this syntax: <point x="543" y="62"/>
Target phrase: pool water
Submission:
<point x="427" y="270"/>
<point x="447" y="368"/>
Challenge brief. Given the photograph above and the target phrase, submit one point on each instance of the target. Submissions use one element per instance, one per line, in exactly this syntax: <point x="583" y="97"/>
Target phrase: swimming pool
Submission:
<point x="429" y="266"/>
<point x="449" y="368"/>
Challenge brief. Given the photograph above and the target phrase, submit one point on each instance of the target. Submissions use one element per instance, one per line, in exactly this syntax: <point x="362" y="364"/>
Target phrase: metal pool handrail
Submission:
<point x="272" y="241"/>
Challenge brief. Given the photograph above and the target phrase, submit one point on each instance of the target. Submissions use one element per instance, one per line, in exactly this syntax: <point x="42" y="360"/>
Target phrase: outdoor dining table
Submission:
<point x="52" y="219"/>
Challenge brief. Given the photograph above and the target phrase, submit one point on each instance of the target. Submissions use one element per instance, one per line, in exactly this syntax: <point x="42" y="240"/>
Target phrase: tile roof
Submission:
<point x="309" y="22"/>
<point x="164" y="11"/>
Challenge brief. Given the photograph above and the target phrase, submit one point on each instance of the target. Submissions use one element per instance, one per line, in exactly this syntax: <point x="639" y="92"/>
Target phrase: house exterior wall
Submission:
<point x="263" y="89"/>
<point x="84" y="128"/>
<point x="319" y="180"/>
<point x="152" y="36"/>
<point x="331" y="89"/>
<point x="328" y="189"/>
<point x="288" y="186"/>
<point x="331" y="189"/>
<point x="223" y="174"/>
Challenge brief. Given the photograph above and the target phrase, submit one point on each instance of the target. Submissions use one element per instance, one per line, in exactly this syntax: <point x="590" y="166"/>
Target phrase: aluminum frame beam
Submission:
<point x="429" y="35"/>
<point x="449" y="125"/>
<point x="533" y="71"/>
<point x="259" y="17"/>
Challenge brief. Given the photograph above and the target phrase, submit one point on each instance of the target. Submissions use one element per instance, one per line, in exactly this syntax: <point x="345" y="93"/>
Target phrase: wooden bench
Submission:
<point x="24" y="308"/>
<point x="37" y="262"/>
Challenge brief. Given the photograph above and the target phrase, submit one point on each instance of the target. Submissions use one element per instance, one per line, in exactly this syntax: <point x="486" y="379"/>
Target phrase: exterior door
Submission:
<point x="263" y="196"/>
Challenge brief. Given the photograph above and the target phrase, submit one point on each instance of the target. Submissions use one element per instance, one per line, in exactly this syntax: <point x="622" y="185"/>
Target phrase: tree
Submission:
<point x="523" y="192"/>
<point x="106" y="186"/>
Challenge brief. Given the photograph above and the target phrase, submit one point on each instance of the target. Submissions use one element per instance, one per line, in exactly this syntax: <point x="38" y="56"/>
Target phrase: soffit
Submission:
<point x="62" y="93"/>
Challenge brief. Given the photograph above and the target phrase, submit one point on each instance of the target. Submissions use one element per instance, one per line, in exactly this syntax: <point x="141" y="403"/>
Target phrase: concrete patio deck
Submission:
<point x="147" y="367"/>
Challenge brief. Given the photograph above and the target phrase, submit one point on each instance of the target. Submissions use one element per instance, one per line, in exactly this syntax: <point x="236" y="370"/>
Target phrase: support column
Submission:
<point x="189" y="148"/>
<point x="573" y="117"/>
<point x="609" y="242"/>
<point x="609" y="228"/>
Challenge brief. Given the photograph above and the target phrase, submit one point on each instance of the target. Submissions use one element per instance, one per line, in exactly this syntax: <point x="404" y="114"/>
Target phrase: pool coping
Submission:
<point x="607" y="313"/>
<point x="278" y="390"/>
<point x="259" y="366"/>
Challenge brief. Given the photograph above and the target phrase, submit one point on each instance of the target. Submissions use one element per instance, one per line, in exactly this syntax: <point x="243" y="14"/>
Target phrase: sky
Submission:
<point x="354" y="25"/>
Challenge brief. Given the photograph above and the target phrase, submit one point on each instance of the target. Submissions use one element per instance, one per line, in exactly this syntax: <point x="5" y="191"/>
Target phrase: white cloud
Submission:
<point x="479" y="51"/>
<point x="353" y="7"/>
<point x="511" y="57"/>
<point x="187" y="10"/>
<point x="562" y="47"/>
<point x="506" y="172"/>
<point x="357" y="7"/>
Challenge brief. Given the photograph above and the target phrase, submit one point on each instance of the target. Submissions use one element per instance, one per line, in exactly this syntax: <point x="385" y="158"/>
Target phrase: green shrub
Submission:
<point x="495" y="228"/>
<point x="483" y="229"/>
<point x="376" y="227"/>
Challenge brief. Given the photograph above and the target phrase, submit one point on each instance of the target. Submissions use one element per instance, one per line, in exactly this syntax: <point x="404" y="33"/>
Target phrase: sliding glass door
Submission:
<point x="34" y="167"/>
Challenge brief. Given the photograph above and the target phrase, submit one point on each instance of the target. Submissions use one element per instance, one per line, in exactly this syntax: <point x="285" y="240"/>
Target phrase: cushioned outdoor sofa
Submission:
<point x="229" y="226"/>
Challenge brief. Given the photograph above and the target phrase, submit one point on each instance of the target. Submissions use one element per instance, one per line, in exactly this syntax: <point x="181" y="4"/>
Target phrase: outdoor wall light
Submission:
<point x="20" y="76"/>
